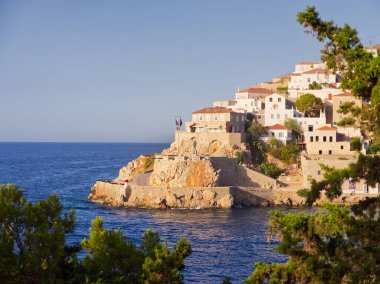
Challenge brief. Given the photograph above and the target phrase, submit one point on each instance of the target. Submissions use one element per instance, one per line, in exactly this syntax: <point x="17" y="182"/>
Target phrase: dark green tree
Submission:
<point x="338" y="244"/>
<point x="33" y="248"/>
<point x="309" y="104"/>
<point x="32" y="239"/>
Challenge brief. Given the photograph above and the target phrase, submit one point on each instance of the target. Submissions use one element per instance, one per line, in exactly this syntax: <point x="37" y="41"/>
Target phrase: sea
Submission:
<point x="225" y="242"/>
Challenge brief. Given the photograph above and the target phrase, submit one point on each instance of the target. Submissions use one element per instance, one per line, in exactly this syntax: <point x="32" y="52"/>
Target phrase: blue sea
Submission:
<point x="224" y="242"/>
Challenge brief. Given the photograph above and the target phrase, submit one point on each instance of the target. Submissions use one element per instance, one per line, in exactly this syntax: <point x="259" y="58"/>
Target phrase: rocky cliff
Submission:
<point x="184" y="173"/>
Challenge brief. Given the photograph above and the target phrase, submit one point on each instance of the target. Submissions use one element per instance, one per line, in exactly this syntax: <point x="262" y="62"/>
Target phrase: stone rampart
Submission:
<point x="203" y="197"/>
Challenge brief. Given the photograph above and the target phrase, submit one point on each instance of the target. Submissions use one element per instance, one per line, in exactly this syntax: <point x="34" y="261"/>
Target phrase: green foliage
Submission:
<point x="257" y="152"/>
<point x="239" y="157"/>
<point x="343" y="52"/>
<point x="149" y="163"/>
<point x="289" y="153"/>
<point x="356" y="144"/>
<point x="274" y="147"/>
<point x="315" y="86"/>
<point x="270" y="169"/>
<point x="286" y="153"/>
<point x="255" y="131"/>
<point x="292" y="124"/>
<point x="310" y="104"/>
<point x="336" y="245"/>
<point x="346" y="122"/>
<point x="33" y="249"/>
<point x="330" y="246"/>
<point x="374" y="148"/>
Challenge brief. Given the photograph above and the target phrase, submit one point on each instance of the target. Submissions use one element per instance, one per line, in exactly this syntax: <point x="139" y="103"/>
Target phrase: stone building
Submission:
<point x="324" y="141"/>
<point x="216" y="119"/>
<point x="341" y="99"/>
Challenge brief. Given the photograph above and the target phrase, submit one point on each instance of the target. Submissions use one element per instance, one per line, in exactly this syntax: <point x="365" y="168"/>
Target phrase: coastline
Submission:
<point x="117" y="195"/>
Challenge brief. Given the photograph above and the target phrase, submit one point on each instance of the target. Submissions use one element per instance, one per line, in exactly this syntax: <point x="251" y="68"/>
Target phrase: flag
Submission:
<point x="180" y="122"/>
<point x="176" y="122"/>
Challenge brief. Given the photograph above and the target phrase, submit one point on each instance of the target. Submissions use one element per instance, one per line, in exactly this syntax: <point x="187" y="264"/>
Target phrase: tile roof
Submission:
<point x="214" y="110"/>
<point x="371" y="47"/>
<point x="277" y="127"/>
<point x="256" y="90"/>
<point x="326" y="127"/>
<point x="317" y="70"/>
<point x="308" y="63"/>
<point x="345" y="94"/>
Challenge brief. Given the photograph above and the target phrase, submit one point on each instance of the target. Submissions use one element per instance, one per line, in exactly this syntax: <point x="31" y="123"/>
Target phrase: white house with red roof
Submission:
<point x="279" y="132"/>
<point x="308" y="72"/>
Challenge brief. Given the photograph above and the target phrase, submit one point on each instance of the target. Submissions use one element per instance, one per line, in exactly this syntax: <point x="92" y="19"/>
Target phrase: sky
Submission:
<point x="121" y="71"/>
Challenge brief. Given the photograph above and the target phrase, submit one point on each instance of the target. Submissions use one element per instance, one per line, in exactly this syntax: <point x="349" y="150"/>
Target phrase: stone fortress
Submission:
<point x="208" y="165"/>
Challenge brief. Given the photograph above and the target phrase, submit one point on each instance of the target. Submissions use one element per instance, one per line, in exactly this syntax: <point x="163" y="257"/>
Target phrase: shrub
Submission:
<point x="270" y="169"/>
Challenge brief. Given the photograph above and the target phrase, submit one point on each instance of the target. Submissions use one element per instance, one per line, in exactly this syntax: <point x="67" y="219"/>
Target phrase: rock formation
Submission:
<point x="184" y="173"/>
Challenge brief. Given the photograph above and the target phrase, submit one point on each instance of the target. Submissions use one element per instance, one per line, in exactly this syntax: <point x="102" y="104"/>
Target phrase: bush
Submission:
<point x="356" y="144"/>
<point x="373" y="149"/>
<point x="270" y="169"/>
<point x="289" y="153"/>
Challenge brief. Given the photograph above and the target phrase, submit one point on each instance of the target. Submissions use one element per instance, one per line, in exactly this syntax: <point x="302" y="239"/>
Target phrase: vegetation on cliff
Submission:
<point x="33" y="248"/>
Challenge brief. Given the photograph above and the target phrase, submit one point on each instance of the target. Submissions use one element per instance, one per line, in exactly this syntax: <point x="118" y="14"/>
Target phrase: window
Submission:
<point x="320" y="152"/>
<point x="272" y="115"/>
<point x="279" y="99"/>
<point x="308" y="80"/>
<point x="316" y="138"/>
<point x="271" y="99"/>
<point x="216" y="118"/>
<point x="341" y="147"/>
<point x="319" y="173"/>
<point x="251" y="103"/>
<point x="278" y="115"/>
<point x="331" y="139"/>
<point x="311" y="139"/>
<point x="330" y="152"/>
<point x="280" y="134"/>
<point x="286" y="116"/>
<point x="324" y="139"/>
<point x="200" y="117"/>
<point x="310" y="127"/>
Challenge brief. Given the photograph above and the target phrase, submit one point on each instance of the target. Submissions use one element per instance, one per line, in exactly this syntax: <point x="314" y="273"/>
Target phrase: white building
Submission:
<point x="306" y="73"/>
<point x="374" y="49"/>
<point x="278" y="109"/>
<point x="278" y="132"/>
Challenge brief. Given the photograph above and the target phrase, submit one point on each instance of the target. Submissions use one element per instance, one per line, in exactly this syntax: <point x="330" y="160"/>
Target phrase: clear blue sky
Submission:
<point x="120" y="71"/>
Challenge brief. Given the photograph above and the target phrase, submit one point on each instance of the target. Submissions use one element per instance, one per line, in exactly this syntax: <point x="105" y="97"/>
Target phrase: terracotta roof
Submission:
<point x="277" y="127"/>
<point x="326" y="127"/>
<point x="256" y="90"/>
<point x="345" y="94"/>
<point x="373" y="46"/>
<point x="308" y="63"/>
<point x="214" y="110"/>
<point x="295" y="74"/>
<point x="317" y="70"/>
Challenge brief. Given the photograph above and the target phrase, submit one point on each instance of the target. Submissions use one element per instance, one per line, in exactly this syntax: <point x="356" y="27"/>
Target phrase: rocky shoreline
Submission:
<point x="117" y="195"/>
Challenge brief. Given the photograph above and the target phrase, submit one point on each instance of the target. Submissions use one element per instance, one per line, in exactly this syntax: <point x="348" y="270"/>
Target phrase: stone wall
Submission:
<point x="311" y="166"/>
<point x="232" y="174"/>
<point x="203" y="197"/>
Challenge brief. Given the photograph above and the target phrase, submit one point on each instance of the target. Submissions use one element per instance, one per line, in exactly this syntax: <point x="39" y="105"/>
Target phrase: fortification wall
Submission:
<point x="203" y="197"/>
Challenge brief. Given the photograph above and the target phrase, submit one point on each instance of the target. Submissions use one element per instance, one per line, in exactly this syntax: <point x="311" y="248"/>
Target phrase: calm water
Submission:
<point x="224" y="242"/>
